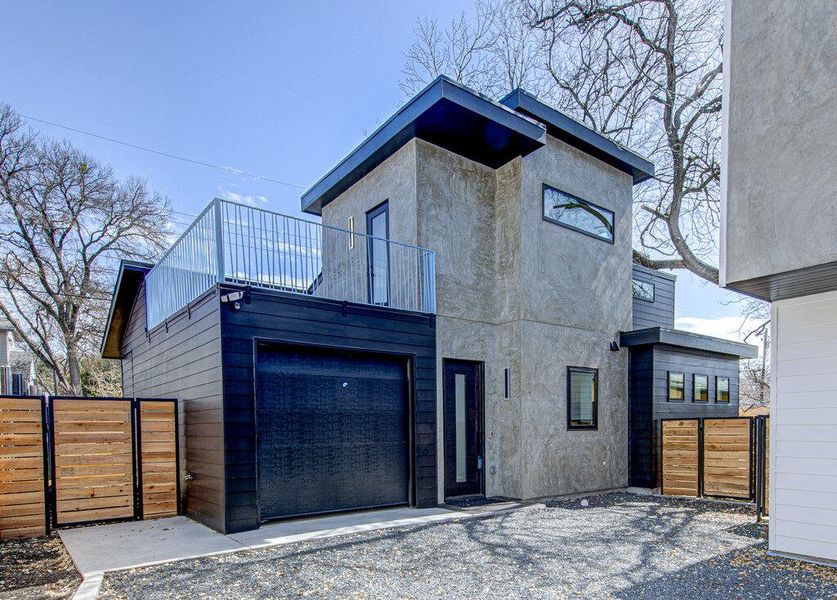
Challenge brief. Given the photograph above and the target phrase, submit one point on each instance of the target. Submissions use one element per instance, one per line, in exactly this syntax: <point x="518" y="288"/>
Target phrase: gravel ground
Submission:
<point x="36" y="568"/>
<point x="619" y="546"/>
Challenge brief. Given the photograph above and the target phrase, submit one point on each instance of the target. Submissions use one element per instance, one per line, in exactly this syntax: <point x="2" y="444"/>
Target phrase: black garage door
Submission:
<point x="333" y="431"/>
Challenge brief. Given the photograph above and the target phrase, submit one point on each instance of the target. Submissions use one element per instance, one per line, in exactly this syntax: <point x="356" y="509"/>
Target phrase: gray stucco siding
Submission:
<point x="556" y="460"/>
<point x="572" y="279"/>
<point x="780" y="183"/>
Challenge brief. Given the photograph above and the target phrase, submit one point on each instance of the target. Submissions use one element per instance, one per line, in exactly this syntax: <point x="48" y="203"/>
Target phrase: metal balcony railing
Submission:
<point x="234" y="243"/>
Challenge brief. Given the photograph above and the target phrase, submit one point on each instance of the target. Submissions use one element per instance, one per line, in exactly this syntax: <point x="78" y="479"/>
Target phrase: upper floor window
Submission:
<point x="675" y="387"/>
<point x="722" y="389"/>
<point x="579" y="215"/>
<point x="701" y="388"/>
<point x="644" y="290"/>
<point x="377" y="225"/>
<point x="582" y="398"/>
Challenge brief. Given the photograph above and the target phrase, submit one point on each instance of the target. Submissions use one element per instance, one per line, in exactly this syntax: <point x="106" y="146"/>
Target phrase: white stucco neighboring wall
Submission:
<point x="803" y="428"/>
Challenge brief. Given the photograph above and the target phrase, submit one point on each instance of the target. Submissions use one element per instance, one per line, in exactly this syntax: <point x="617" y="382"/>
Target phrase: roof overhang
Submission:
<point x="579" y="135"/>
<point x="686" y="339"/>
<point x="130" y="277"/>
<point x="445" y="114"/>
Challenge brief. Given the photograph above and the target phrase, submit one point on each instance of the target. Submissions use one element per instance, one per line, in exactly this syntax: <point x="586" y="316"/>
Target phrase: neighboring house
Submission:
<point x="450" y="329"/>
<point x="17" y="366"/>
<point x="779" y="243"/>
<point x="673" y="374"/>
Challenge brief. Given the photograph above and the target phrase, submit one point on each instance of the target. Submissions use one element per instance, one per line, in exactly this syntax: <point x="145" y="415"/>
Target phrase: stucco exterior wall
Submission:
<point x="516" y="292"/>
<point x="779" y="180"/>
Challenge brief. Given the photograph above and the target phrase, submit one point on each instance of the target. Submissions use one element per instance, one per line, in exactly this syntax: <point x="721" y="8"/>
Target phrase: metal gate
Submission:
<point x="71" y="460"/>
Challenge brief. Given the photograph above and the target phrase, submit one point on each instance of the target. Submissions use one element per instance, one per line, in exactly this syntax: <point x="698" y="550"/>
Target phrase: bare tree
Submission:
<point x="65" y="220"/>
<point x="755" y="373"/>
<point x="645" y="72"/>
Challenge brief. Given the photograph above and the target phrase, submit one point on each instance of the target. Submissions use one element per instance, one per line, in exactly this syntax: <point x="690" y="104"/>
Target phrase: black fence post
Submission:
<point x="53" y="493"/>
<point x="700" y="456"/>
<point x="49" y="484"/>
<point x="179" y="507"/>
<point x="136" y="448"/>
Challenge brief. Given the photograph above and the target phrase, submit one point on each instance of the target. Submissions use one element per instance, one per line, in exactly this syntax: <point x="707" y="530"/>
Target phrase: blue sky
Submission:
<point x="282" y="90"/>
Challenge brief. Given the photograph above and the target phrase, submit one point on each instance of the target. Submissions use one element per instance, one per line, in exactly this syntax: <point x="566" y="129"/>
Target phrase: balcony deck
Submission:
<point x="239" y="244"/>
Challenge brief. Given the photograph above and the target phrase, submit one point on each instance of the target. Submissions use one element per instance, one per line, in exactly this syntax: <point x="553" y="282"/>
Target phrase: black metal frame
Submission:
<point x="595" y="425"/>
<point x="653" y="290"/>
<point x="383" y="207"/>
<point x="694" y="388"/>
<point x="760" y="456"/>
<point x="701" y="493"/>
<point x="50" y="478"/>
<point x="548" y="219"/>
<point x="668" y="387"/>
<point x="729" y="395"/>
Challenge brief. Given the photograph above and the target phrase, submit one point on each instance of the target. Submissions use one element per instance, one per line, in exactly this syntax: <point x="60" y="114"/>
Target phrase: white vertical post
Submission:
<point x="219" y="240"/>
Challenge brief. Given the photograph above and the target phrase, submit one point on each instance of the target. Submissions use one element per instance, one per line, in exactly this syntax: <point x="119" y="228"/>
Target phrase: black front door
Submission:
<point x="463" y="428"/>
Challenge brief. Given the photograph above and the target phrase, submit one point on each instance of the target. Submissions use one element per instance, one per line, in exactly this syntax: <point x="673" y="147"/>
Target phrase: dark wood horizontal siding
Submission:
<point x="659" y="313"/>
<point x="182" y="359"/>
<point x="649" y="368"/>
<point x="285" y="318"/>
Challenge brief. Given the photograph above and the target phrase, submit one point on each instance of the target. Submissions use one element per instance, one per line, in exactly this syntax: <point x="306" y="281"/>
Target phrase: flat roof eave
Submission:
<point x="581" y="136"/>
<point x="686" y="339"/>
<point x="446" y="114"/>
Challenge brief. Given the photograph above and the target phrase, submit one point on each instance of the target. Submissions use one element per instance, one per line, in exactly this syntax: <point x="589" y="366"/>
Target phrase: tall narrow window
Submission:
<point x="377" y="226"/>
<point x="579" y="215"/>
<point x="675" y="387"/>
<point x="722" y="389"/>
<point x="701" y="388"/>
<point x="582" y="398"/>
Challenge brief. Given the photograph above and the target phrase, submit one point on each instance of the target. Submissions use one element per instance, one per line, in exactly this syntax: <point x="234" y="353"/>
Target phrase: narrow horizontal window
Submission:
<point x="701" y="388"/>
<point x="579" y="215"/>
<point x="675" y="387"/>
<point x="582" y="398"/>
<point x="722" y="389"/>
<point x="643" y="290"/>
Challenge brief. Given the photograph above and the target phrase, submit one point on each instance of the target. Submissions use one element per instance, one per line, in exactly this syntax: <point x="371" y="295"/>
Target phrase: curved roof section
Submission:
<point x="447" y="114"/>
<point x="581" y="136"/>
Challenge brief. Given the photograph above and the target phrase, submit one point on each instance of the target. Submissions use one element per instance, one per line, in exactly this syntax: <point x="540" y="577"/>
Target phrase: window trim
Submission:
<point x="668" y="386"/>
<point x="694" y="388"/>
<point x="383" y="207"/>
<point x="717" y="397"/>
<point x="610" y="241"/>
<point x="595" y="425"/>
<point x="653" y="290"/>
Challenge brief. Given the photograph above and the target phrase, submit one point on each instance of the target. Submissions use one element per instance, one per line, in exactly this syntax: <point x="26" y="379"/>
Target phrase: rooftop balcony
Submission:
<point x="238" y="244"/>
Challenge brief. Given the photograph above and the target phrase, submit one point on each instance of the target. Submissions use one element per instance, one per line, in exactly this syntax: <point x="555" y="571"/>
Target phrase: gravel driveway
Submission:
<point x="620" y="546"/>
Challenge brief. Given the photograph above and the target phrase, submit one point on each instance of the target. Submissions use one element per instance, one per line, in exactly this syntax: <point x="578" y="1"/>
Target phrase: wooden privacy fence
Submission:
<point x="69" y="460"/>
<point x="718" y="457"/>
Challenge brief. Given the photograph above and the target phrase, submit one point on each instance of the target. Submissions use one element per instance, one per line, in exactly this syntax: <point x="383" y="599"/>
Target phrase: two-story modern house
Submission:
<point x="451" y="329"/>
<point x="779" y="243"/>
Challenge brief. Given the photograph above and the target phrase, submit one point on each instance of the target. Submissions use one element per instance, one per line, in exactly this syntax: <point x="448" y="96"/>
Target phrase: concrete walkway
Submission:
<point x="133" y="544"/>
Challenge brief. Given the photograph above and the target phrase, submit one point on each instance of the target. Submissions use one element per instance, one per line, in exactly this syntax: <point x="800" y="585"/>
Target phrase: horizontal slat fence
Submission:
<point x="94" y="460"/>
<point x="680" y="457"/>
<point x="159" y="459"/>
<point x="69" y="460"/>
<point x="727" y="453"/>
<point x="718" y="457"/>
<point x="22" y="488"/>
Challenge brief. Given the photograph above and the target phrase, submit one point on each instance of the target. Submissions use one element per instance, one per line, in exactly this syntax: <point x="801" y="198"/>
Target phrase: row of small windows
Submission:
<point x="700" y="388"/>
